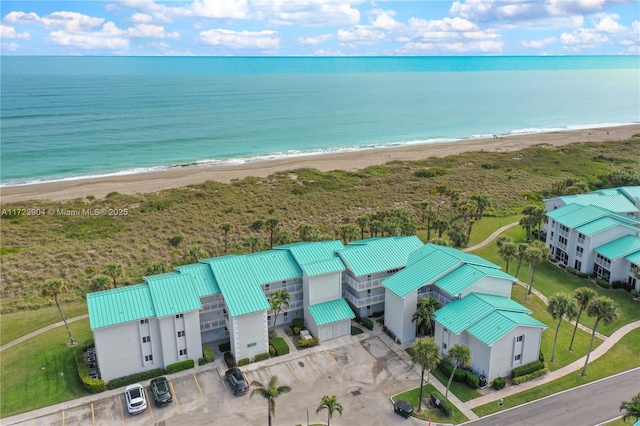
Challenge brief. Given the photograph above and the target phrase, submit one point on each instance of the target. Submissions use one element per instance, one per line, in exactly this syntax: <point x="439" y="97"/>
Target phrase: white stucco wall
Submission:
<point x="398" y="313"/>
<point x="490" y="285"/>
<point x="480" y="355"/>
<point x="323" y="288"/>
<point x="249" y="335"/>
<point x="504" y="351"/>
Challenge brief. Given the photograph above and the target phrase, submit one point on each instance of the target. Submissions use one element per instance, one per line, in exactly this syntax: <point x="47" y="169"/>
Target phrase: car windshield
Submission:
<point x="135" y="393"/>
<point x="162" y="387"/>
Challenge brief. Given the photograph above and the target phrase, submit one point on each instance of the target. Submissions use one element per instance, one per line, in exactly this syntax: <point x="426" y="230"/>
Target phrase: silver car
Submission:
<point x="136" y="400"/>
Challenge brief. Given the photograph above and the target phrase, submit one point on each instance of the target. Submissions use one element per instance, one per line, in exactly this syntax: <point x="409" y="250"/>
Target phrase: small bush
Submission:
<point x="366" y="322"/>
<point x="541" y="357"/>
<point x="356" y="330"/>
<point x="432" y="172"/>
<point x="446" y="367"/>
<point x="472" y="380"/>
<point x="499" y="383"/>
<point x="180" y="365"/>
<point x="530" y="376"/>
<point x="297" y="322"/>
<point x="262" y="356"/>
<point x="526" y="369"/>
<point x="377" y="314"/>
<point x="634" y="293"/>
<point x="243" y="361"/>
<point x="229" y="359"/>
<point x="445" y="406"/>
<point x="288" y="331"/>
<point x="280" y="345"/>
<point x="272" y="350"/>
<point x="176" y="240"/>
<point x="207" y="354"/>
<point x="202" y="361"/>
<point x="304" y="343"/>
<point x="225" y="347"/>
<point x="91" y="385"/>
<point x="87" y="344"/>
<point x="617" y="284"/>
<point x="571" y="270"/>
<point x="460" y="375"/>
<point x="602" y="283"/>
<point x="582" y="275"/>
<point x="135" y="378"/>
<point x="296" y="331"/>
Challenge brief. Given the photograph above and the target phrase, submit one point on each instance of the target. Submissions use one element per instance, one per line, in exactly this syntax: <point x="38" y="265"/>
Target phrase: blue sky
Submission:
<point x="321" y="28"/>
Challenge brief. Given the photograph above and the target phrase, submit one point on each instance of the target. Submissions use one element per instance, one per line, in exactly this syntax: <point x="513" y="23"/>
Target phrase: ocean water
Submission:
<point x="72" y="117"/>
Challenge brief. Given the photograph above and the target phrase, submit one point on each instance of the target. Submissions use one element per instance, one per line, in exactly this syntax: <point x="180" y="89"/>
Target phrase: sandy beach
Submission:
<point x="156" y="181"/>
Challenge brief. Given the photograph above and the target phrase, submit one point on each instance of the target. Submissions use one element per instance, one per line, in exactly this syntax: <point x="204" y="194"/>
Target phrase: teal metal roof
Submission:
<point x="634" y="258"/>
<point x="119" y="305"/>
<point x="498" y="323"/>
<point x="466" y="275"/>
<point x="504" y="303"/>
<point x="240" y="288"/>
<point x="632" y="192"/>
<point x="330" y="312"/>
<point x="423" y="251"/>
<point x="324" y="266"/>
<point x="369" y="256"/>
<point x="598" y="225"/>
<point x="173" y="293"/>
<point x="273" y="265"/>
<point x="460" y="314"/>
<point x="621" y="247"/>
<point x="615" y="202"/>
<point x="204" y="283"/>
<point x="467" y="257"/>
<point x="309" y="252"/>
<point x="578" y="217"/>
<point x="420" y="273"/>
<point x="561" y="211"/>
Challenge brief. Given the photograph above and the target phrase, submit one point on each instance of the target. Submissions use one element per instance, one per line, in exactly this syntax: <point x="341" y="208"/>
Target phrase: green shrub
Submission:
<point x="229" y="359"/>
<point x="377" y="314"/>
<point x="617" y="284"/>
<point x="446" y="367"/>
<point x="460" y="375"/>
<point x="225" y="347"/>
<point x="91" y="385"/>
<point x="367" y="323"/>
<point x="288" y="331"/>
<point x="307" y="343"/>
<point x="356" y="330"/>
<point x="243" y="361"/>
<point x="296" y="331"/>
<point x="297" y="322"/>
<point x="530" y="376"/>
<point x="272" y="350"/>
<point x="445" y="406"/>
<point x="432" y="172"/>
<point x="634" y="293"/>
<point x="262" y="356"/>
<point x="87" y="344"/>
<point x="541" y="357"/>
<point x="207" y="354"/>
<point x="176" y="240"/>
<point x="526" y="369"/>
<point x="472" y="380"/>
<point x="582" y="275"/>
<point x="499" y="383"/>
<point x="571" y="270"/>
<point x="180" y="365"/>
<point x="202" y="361"/>
<point x="602" y="283"/>
<point x="280" y="345"/>
<point x="135" y="378"/>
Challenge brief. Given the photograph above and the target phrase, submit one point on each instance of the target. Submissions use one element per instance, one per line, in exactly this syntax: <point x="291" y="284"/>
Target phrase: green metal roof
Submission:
<point x="466" y="275"/>
<point x="614" y="202"/>
<point x="599" y="225"/>
<point x="632" y="192"/>
<point x="581" y="216"/>
<point x="498" y="323"/>
<point x="240" y="288"/>
<point x="204" y="283"/>
<point x="501" y="302"/>
<point x="331" y="311"/>
<point x="323" y="266"/>
<point x="423" y="251"/>
<point x="309" y="252"/>
<point x="620" y="247"/>
<point x="420" y="273"/>
<point x="561" y="211"/>
<point x="369" y="256"/>
<point x="634" y="258"/>
<point x="273" y="265"/>
<point x="173" y="293"/>
<point x="119" y="305"/>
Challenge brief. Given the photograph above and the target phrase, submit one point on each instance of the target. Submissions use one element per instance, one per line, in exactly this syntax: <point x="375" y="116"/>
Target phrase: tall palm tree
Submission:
<point x="331" y="404"/>
<point x="441" y="225"/>
<point x="605" y="310"/>
<point x="536" y="252"/>
<point x="507" y="251"/>
<point x="53" y="289"/>
<point x="582" y="296"/>
<point x="461" y="356"/>
<point x="194" y="254"/>
<point x="272" y="224"/>
<point x="305" y="230"/>
<point x="113" y="271"/>
<point x="527" y="222"/>
<point x="270" y="393"/>
<point x="522" y="249"/>
<point x="280" y="300"/>
<point x="363" y="222"/>
<point x="226" y="227"/>
<point x="454" y="195"/>
<point x="347" y="233"/>
<point x="100" y="283"/>
<point x="560" y="305"/>
<point x="423" y="316"/>
<point x="482" y="202"/>
<point x="426" y="352"/>
<point x="375" y="226"/>
<point x="253" y="243"/>
<point x="440" y="190"/>
<point x="632" y="408"/>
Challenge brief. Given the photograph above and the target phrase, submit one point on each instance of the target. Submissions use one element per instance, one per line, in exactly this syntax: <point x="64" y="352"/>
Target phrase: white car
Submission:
<point x="136" y="400"/>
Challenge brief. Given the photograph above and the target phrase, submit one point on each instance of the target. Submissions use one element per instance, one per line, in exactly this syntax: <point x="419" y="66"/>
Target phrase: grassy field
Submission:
<point x="621" y="357"/>
<point x="31" y="373"/>
<point x="75" y="248"/>
<point x="434" y="414"/>
<point x="461" y="390"/>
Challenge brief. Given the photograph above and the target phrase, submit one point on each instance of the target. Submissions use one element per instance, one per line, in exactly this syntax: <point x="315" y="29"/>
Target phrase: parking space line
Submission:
<point x="63" y="423"/>
<point x="121" y="409"/>
<point x="268" y="372"/>
<point x="333" y="360"/>
<point x="198" y="385"/>
<point x="293" y="372"/>
<point x="93" y="416"/>
<point x="175" y="396"/>
<point x="314" y="367"/>
<point x="146" y="394"/>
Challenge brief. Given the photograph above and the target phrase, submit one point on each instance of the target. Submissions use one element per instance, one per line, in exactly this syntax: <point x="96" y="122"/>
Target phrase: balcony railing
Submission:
<point x="563" y="233"/>
<point x="579" y="254"/>
<point x="440" y="298"/>
<point x="365" y="301"/>
<point x="210" y="325"/>
<point x="580" y="240"/>
<point x="562" y="246"/>
<point x="292" y="288"/>
<point x="604" y="263"/>
<point x="359" y="286"/>
<point x="212" y="306"/>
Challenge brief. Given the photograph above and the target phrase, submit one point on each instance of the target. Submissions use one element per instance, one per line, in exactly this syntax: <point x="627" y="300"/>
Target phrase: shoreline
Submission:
<point x="353" y="160"/>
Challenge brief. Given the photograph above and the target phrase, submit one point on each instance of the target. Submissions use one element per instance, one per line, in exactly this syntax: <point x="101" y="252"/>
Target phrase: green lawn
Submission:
<point x="621" y="357"/>
<point x="488" y="225"/>
<point x="31" y="373"/>
<point x="18" y="324"/>
<point x="434" y="415"/>
<point x="461" y="390"/>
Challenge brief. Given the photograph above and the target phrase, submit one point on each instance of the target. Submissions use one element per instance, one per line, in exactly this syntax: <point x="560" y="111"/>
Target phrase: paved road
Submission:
<point x="590" y="404"/>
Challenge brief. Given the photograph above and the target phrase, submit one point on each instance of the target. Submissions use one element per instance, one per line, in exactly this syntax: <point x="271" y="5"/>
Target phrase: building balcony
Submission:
<point x="360" y="286"/>
<point x="604" y="263"/>
<point x="365" y="301"/>
<point x="579" y="254"/>
<point x="210" y="325"/>
<point x="212" y="306"/>
<point x="292" y="289"/>
<point x="581" y="240"/>
<point x="440" y="298"/>
<point x="563" y="233"/>
<point x="562" y="246"/>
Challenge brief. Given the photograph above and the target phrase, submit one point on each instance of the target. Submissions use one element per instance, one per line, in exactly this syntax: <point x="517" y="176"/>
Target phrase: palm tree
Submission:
<point x="100" y="283"/>
<point x="454" y="195"/>
<point x="375" y="226"/>
<point x="347" y="233"/>
<point x="605" y="310"/>
<point x="430" y="217"/>
<point x="253" y="243"/>
<point x="53" y="289"/>
<point x="482" y="202"/>
<point x="280" y="300"/>
<point x="272" y="225"/>
<point x="458" y="234"/>
<point x="560" y="305"/>
<point x="157" y="268"/>
<point x="441" y="225"/>
<point x="426" y="352"/>
<point x="507" y="251"/>
<point x="226" y="227"/>
<point x="305" y="232"/>
<point x="363" y="222"/>
<point x="536" y="252"/>
<point x="461" y="356"/>
<point x="113" y="271"/>
<point x="522" y="249"/>
<point x="423" y="316"/>
<point x="331" y="404"/>
<point x="583" y="296"/>
<point x="440" y="190"/>
<point x="527" y="222"/>
<point x="194" y="254"/>
<point x="270" y="393"/>
<point x="632" y="407"/>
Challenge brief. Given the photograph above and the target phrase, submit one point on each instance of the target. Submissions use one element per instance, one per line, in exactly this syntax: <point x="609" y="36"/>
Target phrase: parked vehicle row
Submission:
<point x="136" y="398"/>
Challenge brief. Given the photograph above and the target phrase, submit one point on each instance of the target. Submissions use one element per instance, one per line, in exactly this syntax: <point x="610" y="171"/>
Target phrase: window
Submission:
<point x="183" y="352"/>
<point x="266" y="286"/>
<point x="148" y="358"/>
<point x="285" y="315"/>
<point x="369" y="292"/>
<point x="181" y="333"/>
<point x="519" y="338"/>
<point x="180" y="316"/>
<point x="144" y="321"/>
<point x="146" y="339"/>
<point x="444" y="345"/>
<point x="284" y="282"/>
<point x="517" y="358"/>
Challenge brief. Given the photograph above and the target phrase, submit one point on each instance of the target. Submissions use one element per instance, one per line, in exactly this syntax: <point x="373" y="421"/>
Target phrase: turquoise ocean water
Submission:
<point x="71" y="117"/>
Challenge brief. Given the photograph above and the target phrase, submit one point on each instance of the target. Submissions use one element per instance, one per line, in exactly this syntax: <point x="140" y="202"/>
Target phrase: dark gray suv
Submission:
<point x="160" y="390"/>
<point x="237" y="380"/>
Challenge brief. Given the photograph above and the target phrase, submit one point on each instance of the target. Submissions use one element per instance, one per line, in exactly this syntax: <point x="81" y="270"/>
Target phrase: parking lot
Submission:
<point x="362" y="373"/>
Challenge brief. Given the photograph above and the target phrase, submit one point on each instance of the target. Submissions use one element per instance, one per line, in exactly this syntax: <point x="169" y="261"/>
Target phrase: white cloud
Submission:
<point x="141" y="18"/>
<point x="523" y="10"/>
<point x="69" y="21"/>
<point x="219" y="9"/>
<point x="315" y="40"/>
<point x="385" y="20"/>
<point x="322" y="52"/>
<point x="263" y="40"/>
<point x="359" y="35"/>
<point x="608" y="24"/>
<point x="11" y="47"/>
<point x="582" y="39"/>
<point x="234" y="9"/>
<point x="89" y="41"/>
<point x="308" y="13"/>
<point x="10" y="32"/>
<point x="538" y="44"/>
<point x="149" y="31"/>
